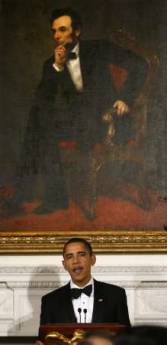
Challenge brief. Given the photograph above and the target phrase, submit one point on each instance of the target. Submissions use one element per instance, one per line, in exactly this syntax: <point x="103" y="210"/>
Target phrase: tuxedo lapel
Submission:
<point x="99" y="303"/>
<point x="67" y="306"/>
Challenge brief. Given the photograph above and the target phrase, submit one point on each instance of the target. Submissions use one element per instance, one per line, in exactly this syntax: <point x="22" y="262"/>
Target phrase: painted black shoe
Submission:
<point x="45" y="209"/>
<point x="11" y="209"/>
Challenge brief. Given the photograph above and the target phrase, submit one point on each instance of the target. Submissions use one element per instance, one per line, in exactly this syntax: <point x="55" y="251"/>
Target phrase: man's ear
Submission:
<point x="77" y="32"/>
<point x="64" y="265"/>
<point x="93" y="259"/>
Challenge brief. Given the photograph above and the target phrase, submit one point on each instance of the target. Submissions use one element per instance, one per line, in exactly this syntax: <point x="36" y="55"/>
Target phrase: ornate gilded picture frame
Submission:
<point x="114" y="186"/>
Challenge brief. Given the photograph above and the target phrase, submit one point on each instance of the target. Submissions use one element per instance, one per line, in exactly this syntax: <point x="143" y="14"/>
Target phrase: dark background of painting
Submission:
<point x="26" y="43"/>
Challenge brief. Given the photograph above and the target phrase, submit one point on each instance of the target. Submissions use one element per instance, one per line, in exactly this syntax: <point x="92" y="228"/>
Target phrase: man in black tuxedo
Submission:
<point x="75" y="90"/>
<point x="83" y="299"/>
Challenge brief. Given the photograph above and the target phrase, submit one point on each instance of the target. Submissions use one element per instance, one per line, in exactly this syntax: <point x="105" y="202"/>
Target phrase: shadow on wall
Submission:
<point x="27" y="301"/>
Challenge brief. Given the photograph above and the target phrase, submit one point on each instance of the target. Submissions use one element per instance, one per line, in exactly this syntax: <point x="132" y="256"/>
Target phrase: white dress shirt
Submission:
<point x="83" y="302"/>
<point x="74" y="69"/>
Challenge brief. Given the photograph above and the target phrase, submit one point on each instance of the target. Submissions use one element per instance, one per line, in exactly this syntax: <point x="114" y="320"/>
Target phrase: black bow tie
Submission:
<point x="72" y="56"/>
<point x="75" y="293"/>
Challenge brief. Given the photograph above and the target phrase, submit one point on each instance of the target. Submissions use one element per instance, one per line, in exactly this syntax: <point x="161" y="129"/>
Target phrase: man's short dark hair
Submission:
<point x="80" y="240"/>
<point x="67" y="11"/>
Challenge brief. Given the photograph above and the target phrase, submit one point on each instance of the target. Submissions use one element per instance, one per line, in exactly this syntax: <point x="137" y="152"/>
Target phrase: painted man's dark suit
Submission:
<point x="110" y="305"/>
<point x="61" y="112"/>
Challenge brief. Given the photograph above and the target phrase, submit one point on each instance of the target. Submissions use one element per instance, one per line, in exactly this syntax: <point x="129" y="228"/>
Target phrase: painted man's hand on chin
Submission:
<point x="60" y="55"/>
<point x="121" y="108"/>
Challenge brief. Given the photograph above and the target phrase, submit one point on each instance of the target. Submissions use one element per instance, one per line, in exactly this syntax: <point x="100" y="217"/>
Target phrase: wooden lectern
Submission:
<point x="71" y="333"/>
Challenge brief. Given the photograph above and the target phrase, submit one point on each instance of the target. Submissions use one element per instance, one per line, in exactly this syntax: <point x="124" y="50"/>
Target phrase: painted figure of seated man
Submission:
<point x="75" y="90"/>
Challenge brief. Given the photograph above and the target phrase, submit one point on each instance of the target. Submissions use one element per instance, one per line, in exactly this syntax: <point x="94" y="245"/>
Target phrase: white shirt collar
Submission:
<point x="73" y="285"/>
<point x="76" y="49"/>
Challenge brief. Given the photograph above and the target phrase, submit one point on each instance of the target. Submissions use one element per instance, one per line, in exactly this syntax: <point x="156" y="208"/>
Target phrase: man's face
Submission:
<point x="63" y="32"/>
<point x="77" y="262"/>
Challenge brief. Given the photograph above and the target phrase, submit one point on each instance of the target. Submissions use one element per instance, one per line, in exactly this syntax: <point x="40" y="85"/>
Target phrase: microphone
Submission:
<point x="79" y="311"/>
<point x="85" y="312"/>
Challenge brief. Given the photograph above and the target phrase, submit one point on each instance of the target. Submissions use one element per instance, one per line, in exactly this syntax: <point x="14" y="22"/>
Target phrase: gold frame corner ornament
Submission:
<point x="105" y="241"/>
